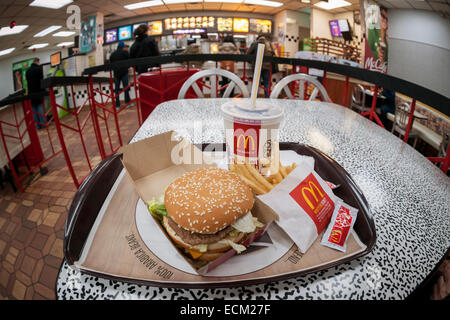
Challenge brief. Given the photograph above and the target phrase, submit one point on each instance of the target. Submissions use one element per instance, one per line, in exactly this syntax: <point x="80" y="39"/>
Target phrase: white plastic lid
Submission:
<point x="264" y="111"/>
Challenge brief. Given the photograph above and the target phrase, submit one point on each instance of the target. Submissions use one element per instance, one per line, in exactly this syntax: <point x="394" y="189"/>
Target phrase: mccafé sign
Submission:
<point x="311" y="197"/>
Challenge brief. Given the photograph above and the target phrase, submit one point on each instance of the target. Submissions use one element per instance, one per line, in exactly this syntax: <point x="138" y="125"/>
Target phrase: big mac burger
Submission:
<point x="206" y="212"/>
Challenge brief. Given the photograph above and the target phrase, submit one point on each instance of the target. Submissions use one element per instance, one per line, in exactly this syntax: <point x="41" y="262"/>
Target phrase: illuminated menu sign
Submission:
<point x="189" y="23"/>
<point x="260" y="26"/>
<point x="334" y="28"/>
<point x="224" y="24"/>
<point x="240" y="25"/>
<point x="125" y="33"/>
<point x="189" y="31"/>
<point x="111" y="36"/>
<point x="155" y="28"/>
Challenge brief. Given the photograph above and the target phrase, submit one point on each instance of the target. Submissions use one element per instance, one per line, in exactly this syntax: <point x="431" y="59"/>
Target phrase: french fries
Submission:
<point x="258" y="183"/>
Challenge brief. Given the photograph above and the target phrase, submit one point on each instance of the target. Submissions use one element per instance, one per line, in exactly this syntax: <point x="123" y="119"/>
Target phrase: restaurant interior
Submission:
<point x="358" y="87"/>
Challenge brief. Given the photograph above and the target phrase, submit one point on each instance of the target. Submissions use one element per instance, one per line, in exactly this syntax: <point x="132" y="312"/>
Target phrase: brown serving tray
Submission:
<point x="91" y="195"/>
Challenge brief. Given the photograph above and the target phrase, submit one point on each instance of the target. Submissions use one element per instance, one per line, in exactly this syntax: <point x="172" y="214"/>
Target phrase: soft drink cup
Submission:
<point x="252" y="134"/>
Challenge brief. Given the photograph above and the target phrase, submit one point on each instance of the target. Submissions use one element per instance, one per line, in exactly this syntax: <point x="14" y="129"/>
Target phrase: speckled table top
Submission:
<point x="409" y="198"/>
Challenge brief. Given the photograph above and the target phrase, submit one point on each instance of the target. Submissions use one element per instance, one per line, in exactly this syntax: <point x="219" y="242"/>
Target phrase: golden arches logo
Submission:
<point x="335" y="235"/>
<point x="246" y="140"/>
<point x="313" y="193"/>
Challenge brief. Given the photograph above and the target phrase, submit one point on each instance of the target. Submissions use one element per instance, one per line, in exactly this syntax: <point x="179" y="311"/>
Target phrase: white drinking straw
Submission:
<point x="257" y="74"/>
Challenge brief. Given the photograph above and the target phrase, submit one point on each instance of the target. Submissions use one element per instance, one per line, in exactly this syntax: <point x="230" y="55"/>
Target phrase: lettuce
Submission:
<point x="245" y="224"/>
<point x="236" y="246"/>
<point x="157" y="208"/>
<point x="201" y="247"/>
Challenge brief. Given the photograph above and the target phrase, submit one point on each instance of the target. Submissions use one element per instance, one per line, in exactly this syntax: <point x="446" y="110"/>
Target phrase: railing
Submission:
<point x="337" y="49"/>
<point x="380" y="80"/>
<point x="19" y="134"/>
<point x="100" y="105"/>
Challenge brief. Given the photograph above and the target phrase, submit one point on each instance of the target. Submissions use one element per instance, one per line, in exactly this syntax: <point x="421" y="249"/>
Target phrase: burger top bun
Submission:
<point x="207" y="200"/>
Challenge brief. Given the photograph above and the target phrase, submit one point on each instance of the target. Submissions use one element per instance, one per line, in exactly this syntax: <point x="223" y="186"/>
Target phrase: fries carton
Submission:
<point x="304" y="203"/>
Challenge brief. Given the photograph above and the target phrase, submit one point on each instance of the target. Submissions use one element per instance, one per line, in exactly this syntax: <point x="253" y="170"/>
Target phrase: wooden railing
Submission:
<point x="337" y="49"/>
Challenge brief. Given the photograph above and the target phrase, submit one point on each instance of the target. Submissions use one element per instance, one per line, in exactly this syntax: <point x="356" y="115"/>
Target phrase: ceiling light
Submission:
<point x="143" y="4"/>
<point x="180" y="1"/>
<point x="65" y="44"/>
<point x="51" y="4"/>
<point x="306" y="1"/>
<point x="264" y="3"/>
<point x="38" y="46"/>
<point x="7" y="51"/>
<point x="6" y="31"/>
<point x="332" y="4"/>
<point x="47" y="31"/>
<point x="64" y="34"/>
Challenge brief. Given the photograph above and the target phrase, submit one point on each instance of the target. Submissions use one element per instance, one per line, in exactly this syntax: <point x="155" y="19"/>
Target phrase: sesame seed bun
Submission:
<point x="206" y="201"/>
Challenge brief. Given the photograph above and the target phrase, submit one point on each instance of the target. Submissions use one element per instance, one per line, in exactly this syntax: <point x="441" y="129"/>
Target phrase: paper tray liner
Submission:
<point x="118" y="251"/>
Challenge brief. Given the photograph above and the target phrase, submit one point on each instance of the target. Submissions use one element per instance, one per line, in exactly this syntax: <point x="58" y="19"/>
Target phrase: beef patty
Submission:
<point x="197" y="238"/>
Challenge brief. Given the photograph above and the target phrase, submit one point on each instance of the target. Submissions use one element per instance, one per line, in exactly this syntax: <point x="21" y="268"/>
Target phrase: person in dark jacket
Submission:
<point x="267" y="66"/>
<point x="34" y="76"/>
<point x="143" y="46"/>
<point x="120" y="73"/>
<point x="388" y="105"/>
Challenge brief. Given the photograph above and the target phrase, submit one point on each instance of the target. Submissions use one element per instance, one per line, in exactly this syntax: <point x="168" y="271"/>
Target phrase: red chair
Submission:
<point x="159" y="86"/>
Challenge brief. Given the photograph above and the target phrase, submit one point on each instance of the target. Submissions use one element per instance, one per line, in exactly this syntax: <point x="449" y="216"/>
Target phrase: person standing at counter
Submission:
<point x="243" y="47"/>
<point x="266" y="67"/>
<point x="120" y="73"/>
<point x="34" y="76"/>
<point x="228" y="47"/>
<point x="143" y="46"/>
<point x="193" y="48"/>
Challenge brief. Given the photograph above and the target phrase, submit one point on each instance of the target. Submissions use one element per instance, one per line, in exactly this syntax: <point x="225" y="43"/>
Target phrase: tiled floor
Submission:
<point x="32" y="223"/>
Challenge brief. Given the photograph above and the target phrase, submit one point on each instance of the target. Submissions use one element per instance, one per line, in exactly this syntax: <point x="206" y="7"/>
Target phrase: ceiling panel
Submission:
<point x="444" y="7"/>
<point x="385" y="4"/>
<point x="401" y="4"/>
<point x="40" y="18"/>
<point x="423" y="5"/>
<point x="230" y="6"/>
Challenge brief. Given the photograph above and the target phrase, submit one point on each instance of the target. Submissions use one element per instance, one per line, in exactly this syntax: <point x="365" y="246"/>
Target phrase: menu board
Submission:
<point x="240" y="25"/>
<point x="343" y="25"/>
<point x="189" y="23"/>
<point x="155" y="28"/>
<point x="334" y="28"/>
<point x="55" y="59"/>
<point x="125" y="33"/>
<point x="224" y="24"/>
<point x="260" y="26"/>
<point x="111" y="36"/>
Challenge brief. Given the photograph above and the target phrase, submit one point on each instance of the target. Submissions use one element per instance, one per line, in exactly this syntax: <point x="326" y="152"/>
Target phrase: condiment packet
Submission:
<point x="304" y="203"/>
<point x="340" y="226"/>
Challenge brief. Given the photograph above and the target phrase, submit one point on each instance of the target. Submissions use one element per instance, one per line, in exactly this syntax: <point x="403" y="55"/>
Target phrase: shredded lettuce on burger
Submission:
<point x="157" y="208"/>
<point x="245" y="224"/>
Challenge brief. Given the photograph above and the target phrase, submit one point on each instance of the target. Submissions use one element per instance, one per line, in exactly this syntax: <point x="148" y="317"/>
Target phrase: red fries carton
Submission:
<point x="304" y="203"/>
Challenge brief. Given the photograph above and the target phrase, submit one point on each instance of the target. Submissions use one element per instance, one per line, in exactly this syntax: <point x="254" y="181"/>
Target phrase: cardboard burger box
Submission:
<point x="153" y="163"/>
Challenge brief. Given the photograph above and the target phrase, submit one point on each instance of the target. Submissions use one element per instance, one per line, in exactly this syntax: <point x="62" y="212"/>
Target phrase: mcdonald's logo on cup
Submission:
<point x="246" y="140"/>
<point x="311" y="197"/>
